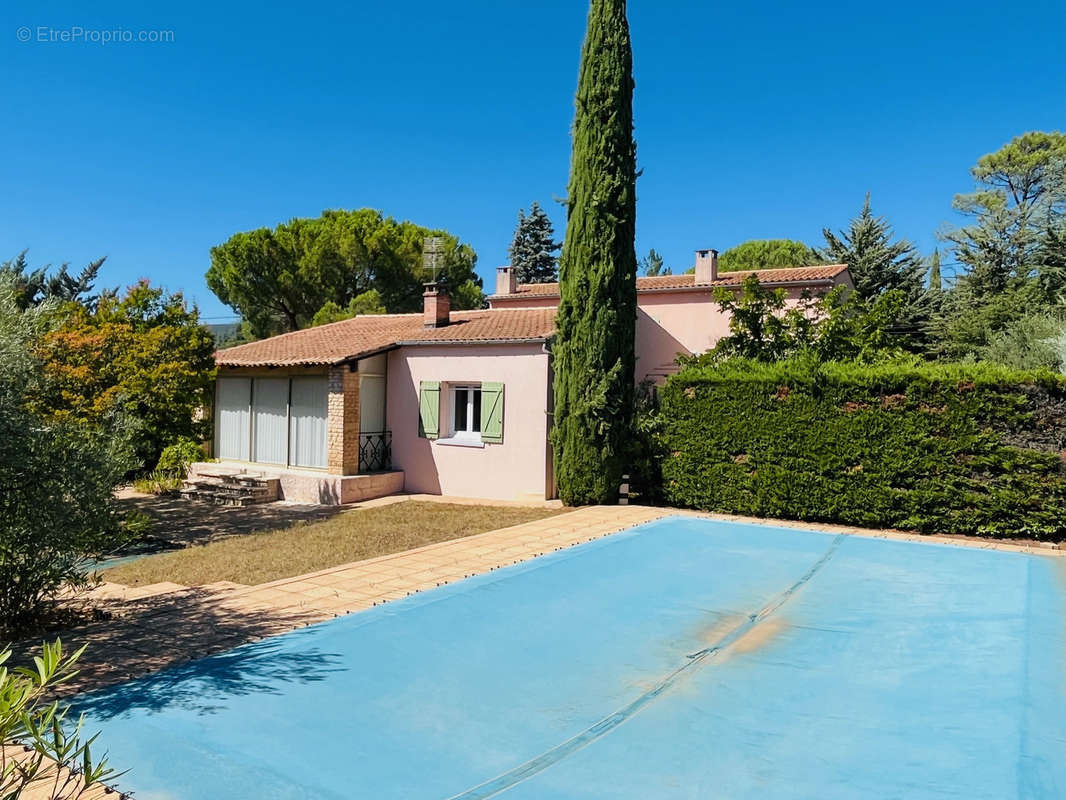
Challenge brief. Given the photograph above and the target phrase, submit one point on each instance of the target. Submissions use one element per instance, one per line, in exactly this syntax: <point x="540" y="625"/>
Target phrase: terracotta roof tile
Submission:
<point x="817" y="274"/>
<point x="353" y="338"/>
<point x="363" y="335"/>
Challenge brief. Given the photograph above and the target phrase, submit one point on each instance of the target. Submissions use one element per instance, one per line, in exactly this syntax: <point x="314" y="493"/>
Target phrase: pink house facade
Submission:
<point x="442" y="402"/>
<point x="676" y="314"/>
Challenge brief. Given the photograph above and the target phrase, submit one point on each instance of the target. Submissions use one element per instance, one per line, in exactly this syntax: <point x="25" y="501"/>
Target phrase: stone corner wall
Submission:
<point x="342" y="448"/>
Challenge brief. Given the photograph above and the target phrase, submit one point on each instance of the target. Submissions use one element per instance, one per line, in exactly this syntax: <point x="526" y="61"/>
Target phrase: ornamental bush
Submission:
<point x="938" y="448"/>
<point x="43" y="751"/>
<point x="176" y="458"/>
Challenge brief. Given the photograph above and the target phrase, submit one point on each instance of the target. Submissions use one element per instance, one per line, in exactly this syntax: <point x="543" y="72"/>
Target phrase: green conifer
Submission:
<point x="596" y="325"/>
<point x="936" y="282"/>
<point x="533" y="248"/>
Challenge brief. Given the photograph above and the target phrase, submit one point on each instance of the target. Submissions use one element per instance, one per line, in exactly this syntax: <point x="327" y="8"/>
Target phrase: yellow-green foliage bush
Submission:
<point x="947" y="448"/>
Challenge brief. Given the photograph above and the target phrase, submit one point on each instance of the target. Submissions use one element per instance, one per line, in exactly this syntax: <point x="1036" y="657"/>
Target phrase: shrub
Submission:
<point x="646" y="454"/>
<point x="158" y="482"/>
<point x="57" y="479"/>
<point x="59" y="762"/>
<point x="949" y="448"/>
<point x="765" y="326"/>
<point x="1034" y="341"/>
<point x="175" y="459"/>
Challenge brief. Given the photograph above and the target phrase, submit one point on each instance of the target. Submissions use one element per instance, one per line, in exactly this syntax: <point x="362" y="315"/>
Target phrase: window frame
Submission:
<point x="450" y="433"/>
<point x="473" y="410"/>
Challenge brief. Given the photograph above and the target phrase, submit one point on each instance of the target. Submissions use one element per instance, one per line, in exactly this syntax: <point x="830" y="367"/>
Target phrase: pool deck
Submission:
<point x="165" y="624"/>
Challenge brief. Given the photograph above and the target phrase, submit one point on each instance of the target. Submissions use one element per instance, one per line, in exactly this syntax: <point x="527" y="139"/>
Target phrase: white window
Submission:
<point x="466" y="414"/>
<point x="466" y="411"/>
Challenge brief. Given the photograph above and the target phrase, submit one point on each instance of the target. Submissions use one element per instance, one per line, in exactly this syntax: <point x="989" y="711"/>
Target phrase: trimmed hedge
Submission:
<point x="938" y="448"/>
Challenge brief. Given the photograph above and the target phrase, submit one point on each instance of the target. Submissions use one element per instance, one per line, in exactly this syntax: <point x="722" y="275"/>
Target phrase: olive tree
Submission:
<point x="57" y="477"/>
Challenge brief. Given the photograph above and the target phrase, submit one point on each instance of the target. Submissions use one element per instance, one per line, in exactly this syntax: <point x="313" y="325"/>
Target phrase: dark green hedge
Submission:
<point x="940" y="448"/>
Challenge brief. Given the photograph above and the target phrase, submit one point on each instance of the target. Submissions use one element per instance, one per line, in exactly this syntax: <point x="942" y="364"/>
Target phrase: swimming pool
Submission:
<point x="686" y="658"/>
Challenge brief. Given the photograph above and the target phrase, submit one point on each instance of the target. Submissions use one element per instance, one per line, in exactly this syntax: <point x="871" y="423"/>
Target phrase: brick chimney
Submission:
<point x="706" y="266"/>
<point x="437" y="306"/>
<point x="506" y="280"/>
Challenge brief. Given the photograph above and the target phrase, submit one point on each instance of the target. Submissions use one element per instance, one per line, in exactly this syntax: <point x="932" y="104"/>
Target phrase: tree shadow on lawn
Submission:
<point x="190" y="649"/>
<point x="179" y="522"/>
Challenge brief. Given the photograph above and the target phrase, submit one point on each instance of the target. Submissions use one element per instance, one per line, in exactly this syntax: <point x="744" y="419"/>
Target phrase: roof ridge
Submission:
<point x="786" y="269"/>
<point x="726" y="272"/>
<point x="546" y="289"/>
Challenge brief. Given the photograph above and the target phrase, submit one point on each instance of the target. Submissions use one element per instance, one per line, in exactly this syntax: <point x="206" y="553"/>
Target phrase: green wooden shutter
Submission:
<point x="492" y="412"/>
<point x="429" y="409"/>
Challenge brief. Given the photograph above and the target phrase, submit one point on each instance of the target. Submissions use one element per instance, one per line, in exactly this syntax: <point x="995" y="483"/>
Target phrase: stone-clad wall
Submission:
<point x="342" y="457"/>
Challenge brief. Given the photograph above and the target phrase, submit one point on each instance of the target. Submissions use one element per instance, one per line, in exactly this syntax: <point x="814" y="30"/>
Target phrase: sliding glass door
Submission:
<point x="280" y="421"/>
<point x="270" y="412"/>
<point x="233" y="419"/>
<point x="307" y="423"/>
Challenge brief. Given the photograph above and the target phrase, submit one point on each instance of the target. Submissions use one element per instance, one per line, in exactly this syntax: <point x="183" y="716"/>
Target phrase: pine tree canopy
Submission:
<point x="596" y="323"/>
<point x="533" y="249"/>
<point x="1020" y="195"/>
<point x="653" y="265"/>
<point x="767" y="254"/>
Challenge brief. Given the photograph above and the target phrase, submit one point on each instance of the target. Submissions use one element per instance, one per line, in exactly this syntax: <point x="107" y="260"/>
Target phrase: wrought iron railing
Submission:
<point x="375" y="451"/>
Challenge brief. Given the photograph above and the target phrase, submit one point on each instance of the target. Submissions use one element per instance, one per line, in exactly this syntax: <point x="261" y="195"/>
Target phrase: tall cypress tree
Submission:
<point x="596" y="324"/>
<point x="533" y="248"/>
<point x="936" y="282"/>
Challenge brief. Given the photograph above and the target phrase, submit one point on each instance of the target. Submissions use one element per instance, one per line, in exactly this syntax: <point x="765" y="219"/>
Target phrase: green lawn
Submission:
<point x="351" y="536"/>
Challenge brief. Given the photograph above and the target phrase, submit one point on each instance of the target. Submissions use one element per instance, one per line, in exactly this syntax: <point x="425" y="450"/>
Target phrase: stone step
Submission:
<point x="235" y="489"/>
<point x="222" y="499"/>
<point x="230" y="491"/>
<point x="234" y="483"/>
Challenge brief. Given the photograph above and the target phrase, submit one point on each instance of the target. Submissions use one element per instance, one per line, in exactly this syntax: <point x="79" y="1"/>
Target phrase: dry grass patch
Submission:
<point x="352" y="536"/>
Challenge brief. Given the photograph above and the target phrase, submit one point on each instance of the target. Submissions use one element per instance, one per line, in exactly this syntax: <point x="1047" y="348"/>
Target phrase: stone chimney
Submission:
<point x="706" y="266"/>
<point x="506" y="280"/>
<point x="437" y="306"/>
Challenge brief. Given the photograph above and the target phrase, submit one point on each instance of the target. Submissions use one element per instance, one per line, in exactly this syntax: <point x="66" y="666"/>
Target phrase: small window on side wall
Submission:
<point x="466" y="411"/>
<point x="462" y="413"/>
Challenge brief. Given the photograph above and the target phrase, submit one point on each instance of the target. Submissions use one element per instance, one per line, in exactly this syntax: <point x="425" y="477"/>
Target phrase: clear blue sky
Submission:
<point x="752" y="120"/>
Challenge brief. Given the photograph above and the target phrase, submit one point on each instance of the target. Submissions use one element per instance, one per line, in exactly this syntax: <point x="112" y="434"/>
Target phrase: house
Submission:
<point x="443" y="402"/>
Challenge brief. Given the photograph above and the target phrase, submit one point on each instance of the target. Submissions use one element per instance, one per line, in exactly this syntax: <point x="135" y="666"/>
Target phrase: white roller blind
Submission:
<point x="307" y="424"/>
<point x="232" y="418"/>
<point x="269" y="411"/>
<point x="371" y="403"/>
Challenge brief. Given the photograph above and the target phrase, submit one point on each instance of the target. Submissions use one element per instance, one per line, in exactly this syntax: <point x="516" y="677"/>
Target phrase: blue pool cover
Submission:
<point x="683" y="659"/>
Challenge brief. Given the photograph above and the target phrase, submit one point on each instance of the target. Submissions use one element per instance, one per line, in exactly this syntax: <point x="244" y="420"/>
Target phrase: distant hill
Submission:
<point x="225" y="333"/>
